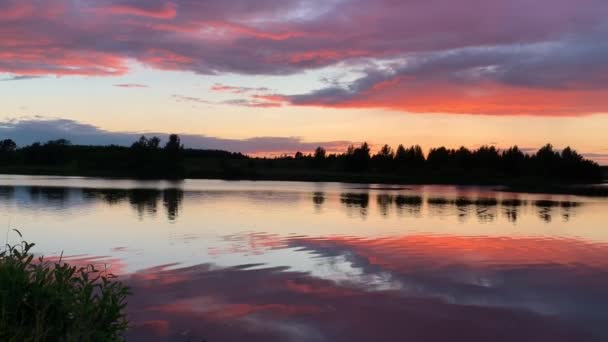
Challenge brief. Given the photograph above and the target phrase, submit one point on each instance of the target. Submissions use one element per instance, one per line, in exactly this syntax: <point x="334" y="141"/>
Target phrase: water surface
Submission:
<point x="292" y="261"/>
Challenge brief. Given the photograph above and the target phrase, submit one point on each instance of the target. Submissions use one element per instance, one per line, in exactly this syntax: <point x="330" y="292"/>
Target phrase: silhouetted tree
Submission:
<point x="174" y="144"/>
<point x="513" y="160"/>
<point x="174" y="167"/>
<point x="7" y="150"/>
<point x="358" y="158"/>
<point x="486" y="157"/>
<point x="142" y="143"/>
<point x="7" y="146"/>
<point x="319" y="157"/>
<point x="463" y="158"/>
<point x="53" y="152"/>
<point x="575" y="166"/>
<point x="400" y="155"/>
<point x="148" y="160"/>
<point x="145" y="159"/>
<point x="414" y="157"/>
<point x="384" y="158"/>
<point x="438" y="157"/>
<point x="154" y="143"/>
<point x="319" y="153"/>
<point x="545" y="161"/>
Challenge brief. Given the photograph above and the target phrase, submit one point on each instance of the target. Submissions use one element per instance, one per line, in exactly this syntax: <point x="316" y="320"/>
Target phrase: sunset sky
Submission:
<point x="274" y="76"/>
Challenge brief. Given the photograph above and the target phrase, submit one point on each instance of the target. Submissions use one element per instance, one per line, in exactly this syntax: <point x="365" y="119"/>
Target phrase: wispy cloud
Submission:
<point x="19" y="78"/>
<point x="184" y="98"/>
<point x="130" y="85"/>
<point x="253" y="102"/>
<point x="238" y="90"/>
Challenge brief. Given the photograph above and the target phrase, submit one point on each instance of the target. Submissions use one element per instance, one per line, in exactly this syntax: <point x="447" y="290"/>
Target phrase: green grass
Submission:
<point x="53" y="301"/>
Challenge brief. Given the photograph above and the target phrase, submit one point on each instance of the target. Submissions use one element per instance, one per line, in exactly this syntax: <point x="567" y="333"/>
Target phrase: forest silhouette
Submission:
<point x="148" y="158"/>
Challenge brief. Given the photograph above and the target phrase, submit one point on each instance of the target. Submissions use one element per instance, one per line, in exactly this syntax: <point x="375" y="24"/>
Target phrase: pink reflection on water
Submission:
<point x="474" y="289"/>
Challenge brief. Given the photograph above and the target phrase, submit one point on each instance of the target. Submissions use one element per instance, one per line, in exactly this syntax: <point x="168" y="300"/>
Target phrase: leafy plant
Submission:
<point x="54" y="301"/>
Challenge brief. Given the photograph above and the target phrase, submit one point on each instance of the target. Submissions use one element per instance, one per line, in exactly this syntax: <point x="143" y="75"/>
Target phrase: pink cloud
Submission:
<point x="54" y="61"/>
<point x="494" y="57"/>
<point x="165" y="10"/>
<point x="14" y="11"/>
<point x="484" y="99"/>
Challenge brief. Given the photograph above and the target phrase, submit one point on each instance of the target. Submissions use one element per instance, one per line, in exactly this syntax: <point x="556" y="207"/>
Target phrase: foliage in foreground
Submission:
<point x="53" y="301"/>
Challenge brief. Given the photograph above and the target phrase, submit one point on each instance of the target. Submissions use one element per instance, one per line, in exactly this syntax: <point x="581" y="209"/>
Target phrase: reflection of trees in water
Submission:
<point x="44" y="197"/>
<point x="485" y="209"/>
<point x="109" y="196"/>
<point x="511" y="207"/>
<point x="144" y="201"/>
<point x="172" y="201"/>
<point x="51" y="195"/>
<point x="568" y="210"/>
<point x="318" y="198"/>
<point x="7" y="192"/>
<point x="357" y="201"/>
<point x="410" y="205"/>
<point x="463" y="206"/>
<point x="437" y="206"/>
<point x="546" y="209"/>
<point x="385" y="202"/>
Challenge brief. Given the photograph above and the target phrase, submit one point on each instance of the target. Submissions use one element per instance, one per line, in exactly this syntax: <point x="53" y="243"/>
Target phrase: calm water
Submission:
<point x="288" y="261"/>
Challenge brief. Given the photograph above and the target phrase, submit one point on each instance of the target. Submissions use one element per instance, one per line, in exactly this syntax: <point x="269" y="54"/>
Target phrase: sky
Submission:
<point x="267" y="77"/>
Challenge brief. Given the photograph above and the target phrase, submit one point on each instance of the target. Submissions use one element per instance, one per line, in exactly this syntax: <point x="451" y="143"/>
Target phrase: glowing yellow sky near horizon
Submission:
<point x="96" y="101"/>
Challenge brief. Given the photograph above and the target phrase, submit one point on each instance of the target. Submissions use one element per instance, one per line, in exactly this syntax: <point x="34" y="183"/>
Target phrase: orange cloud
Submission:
<point x="403" y="94"/>
<point x="395" y="253"/>
<point x="58" y="62"/>
<point x="245" y="30"/>
<point x="166" y="11"/>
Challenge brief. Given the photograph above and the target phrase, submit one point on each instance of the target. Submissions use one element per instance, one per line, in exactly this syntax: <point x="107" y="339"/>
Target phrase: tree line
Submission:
<point x="150" y="158"/>
<point x="485" y="161"/>
<point x="145" y="158"/>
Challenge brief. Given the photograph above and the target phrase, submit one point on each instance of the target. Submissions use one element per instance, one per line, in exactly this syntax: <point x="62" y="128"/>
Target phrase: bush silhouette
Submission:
<point x="53" y="301"/>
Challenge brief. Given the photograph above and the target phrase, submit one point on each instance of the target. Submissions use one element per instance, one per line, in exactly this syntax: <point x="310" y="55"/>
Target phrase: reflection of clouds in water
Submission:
<point x="547" y="276"/>
<point x="544" y="276"/>
<point x="275" y="304"/>
<point x="319" y="285"/>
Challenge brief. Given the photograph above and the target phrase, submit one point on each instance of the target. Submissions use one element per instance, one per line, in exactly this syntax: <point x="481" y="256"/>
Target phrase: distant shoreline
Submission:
<point x="547" y="170"/>
<point x="398" y="182"/>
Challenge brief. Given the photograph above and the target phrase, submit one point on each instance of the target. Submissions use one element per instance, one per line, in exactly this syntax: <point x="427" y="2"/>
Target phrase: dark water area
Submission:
<point x="294" y="261"/>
